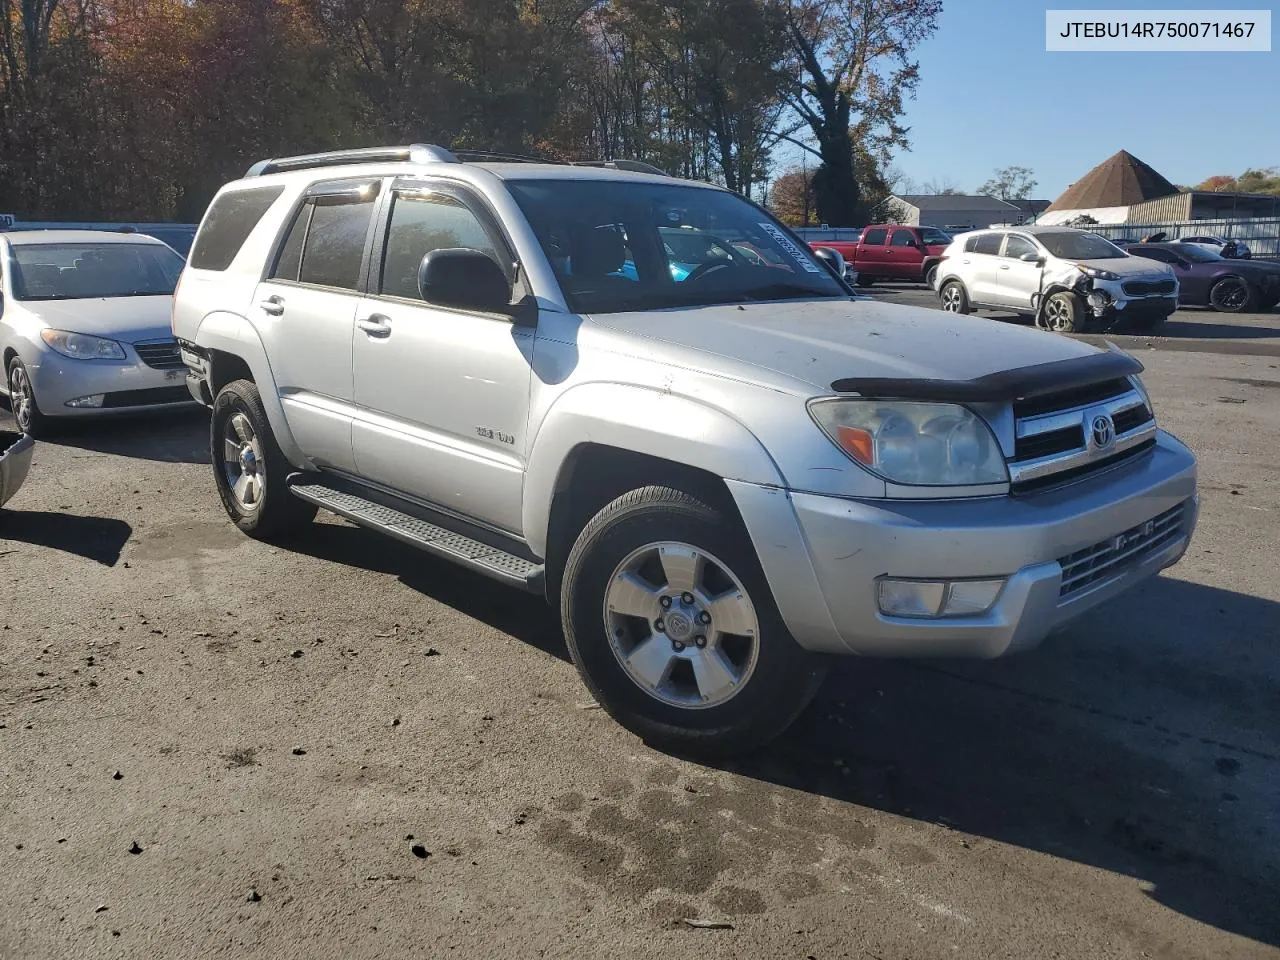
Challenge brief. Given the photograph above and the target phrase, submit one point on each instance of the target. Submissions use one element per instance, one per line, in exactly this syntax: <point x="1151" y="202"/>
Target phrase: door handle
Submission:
<point x="375" y="325"/>
<point x="1004" y="266"/>
<point x="272" y="306"/>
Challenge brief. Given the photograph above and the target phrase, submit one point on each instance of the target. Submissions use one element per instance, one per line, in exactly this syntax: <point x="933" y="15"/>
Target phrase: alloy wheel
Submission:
<point x="681" y="625"/>
<point x="1057" y="316"/>
<point x="951" y="299"/>
<point x="21" y="396"/>
<point x="243" y="463"/>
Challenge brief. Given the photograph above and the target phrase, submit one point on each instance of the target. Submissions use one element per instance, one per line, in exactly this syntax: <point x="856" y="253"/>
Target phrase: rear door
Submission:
<point x="978" y="266"/>
<point x="872" y="250"/>
<point x="442" y="394"/>
<point x="305" y="312"/>
<point x="904" y="255"/>
<point x="1015" y="281"/>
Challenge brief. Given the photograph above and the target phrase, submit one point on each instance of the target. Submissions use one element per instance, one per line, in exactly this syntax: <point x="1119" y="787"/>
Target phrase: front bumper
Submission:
<point x="1122" y="306"/>
<point x="823" y="556"/>
<point x="126" y="385"/>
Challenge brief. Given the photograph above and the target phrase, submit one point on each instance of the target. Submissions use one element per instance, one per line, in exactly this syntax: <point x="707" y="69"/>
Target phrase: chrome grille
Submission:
<point x="1111" y="557"/>
<point x="1054" y="441"/>
<point x="1149" y="288"/>
<point x="161" y="354"/>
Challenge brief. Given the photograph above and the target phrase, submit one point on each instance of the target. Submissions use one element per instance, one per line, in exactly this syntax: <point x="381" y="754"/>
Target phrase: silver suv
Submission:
<point x="719" y="471"/>
<point x="1067" y="280"/>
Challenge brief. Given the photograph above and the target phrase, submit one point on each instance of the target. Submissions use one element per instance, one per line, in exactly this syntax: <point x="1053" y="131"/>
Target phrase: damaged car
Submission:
<point x="1065" y="280"/>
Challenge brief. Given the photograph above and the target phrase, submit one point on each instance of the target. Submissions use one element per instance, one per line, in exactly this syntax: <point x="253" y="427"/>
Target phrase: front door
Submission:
<point x="442" y="395"/>
<point x="305" y="309"/>
<point x="1016" y="281"/>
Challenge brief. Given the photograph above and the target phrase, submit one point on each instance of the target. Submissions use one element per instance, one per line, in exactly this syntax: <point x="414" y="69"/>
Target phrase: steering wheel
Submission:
<point x="704" y="269"/>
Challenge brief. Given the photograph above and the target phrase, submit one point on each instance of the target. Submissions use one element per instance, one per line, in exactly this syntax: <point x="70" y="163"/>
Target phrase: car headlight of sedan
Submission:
<point x="81" y="346"/>
<point x="1093" y="273"/>
<point x="918" y="444"/>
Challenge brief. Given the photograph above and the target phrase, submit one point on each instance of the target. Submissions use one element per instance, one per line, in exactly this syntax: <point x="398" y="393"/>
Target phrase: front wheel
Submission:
<point x="673" y="628"/>
<point x="1061" y="313"/>
<point x="1231" y="295"/>
<point x="22" y="402"/>
<point x="249" y="468"/>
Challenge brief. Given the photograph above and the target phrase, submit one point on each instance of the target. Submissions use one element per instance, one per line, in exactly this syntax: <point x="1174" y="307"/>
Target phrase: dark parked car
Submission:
<point x="1206" y="279"/>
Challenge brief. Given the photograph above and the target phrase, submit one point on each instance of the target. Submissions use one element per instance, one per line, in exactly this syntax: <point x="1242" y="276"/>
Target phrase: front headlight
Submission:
<point x="81" y="346"/>
<point x="1096" y="274"/>
<point x="919" y="444"/>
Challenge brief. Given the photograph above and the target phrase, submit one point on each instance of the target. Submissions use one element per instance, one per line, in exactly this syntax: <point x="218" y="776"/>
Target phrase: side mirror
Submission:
<point x="832" y="260"/>
<point x="466" y="279"/>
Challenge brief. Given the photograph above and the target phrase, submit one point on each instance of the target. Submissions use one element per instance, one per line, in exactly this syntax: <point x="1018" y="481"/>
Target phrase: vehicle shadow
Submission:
<point x="1105" y="747"/>
<point x="510" y="610"/>
<point x="100" y="539"/>
<point x="166" y="436"/>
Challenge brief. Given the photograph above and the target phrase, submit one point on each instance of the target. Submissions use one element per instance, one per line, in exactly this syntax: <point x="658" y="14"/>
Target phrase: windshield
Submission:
<point x="81" y="271"/>
<point x="932" y="235"/>
<point x="1196" y="254"/>
<point x="618" y="246"/>
<point x="1080" y="246"/>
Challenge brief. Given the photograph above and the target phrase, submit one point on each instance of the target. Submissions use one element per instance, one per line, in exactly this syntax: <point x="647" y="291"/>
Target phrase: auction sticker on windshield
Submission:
<point x="782" y="240"/>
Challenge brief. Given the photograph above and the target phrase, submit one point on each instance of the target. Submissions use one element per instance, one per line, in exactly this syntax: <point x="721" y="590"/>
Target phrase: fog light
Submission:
<point x="937" y="598"/>
<point x="93" y="400"/>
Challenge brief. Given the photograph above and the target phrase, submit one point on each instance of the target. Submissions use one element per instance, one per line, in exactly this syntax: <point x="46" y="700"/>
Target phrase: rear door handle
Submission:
<point x="272" y="306"/>
<point x="376" y="325"/>
<point x="1004" y="266"/>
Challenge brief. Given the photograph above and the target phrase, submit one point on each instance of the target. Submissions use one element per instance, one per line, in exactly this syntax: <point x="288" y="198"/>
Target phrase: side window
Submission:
<point x="289" y="262"/>
<point x="902" y="238"/>
<point x="1162" y="255"/>
<point x="1016" y="247"/>
<point x="335" y="240"/>
<point x="420" y="223"/>
<point x="988" y="243"/>
<point x="874" y="237"/>
<point x="227" y="225"/>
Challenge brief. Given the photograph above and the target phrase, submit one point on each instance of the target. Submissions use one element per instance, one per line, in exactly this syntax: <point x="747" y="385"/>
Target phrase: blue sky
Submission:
<point x="991" y="95"/>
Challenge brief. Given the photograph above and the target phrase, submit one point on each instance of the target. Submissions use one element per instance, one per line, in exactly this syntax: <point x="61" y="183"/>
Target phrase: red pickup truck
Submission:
<point x="890" y="251"/>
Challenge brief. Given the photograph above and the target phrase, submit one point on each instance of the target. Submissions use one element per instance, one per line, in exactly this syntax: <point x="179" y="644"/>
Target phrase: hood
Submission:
<point x="1130" y="268"/>
<point x="129" y="319"/>
<point x="819" y="342"/>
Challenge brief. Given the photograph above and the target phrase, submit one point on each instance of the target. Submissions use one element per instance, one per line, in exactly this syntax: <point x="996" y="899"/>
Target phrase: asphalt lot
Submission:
<point x="337" y="747"/>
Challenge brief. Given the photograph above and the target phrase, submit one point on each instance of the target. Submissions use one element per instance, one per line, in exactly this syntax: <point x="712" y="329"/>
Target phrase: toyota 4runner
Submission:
<point x="719" y="474"/>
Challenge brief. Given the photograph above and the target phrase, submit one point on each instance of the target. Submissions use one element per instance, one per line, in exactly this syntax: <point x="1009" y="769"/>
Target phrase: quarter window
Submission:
<point x="420" y="223"/>
<point x="227" y="225"/>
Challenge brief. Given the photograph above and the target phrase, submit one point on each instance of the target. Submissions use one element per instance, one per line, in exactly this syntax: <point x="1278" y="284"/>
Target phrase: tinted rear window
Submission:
<point x="873" y="236"/>
<point x="228" y="224"/>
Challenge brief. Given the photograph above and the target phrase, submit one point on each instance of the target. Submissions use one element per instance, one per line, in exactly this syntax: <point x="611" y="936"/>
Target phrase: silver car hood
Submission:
<point x="1130" y="268"/>
<point x="819" y="342"/>
<point x="119" y="318"/>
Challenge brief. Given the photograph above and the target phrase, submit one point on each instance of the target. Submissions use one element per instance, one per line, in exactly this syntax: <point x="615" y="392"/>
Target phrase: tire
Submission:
<point x="252" y="487"/>
<point x="1233" y="295"/>
<point x="954" y="297"/>
<point x="1061" y="313"/>
<point x="730" y="696"/>
<point x="865" y="280"/>
<point x="22" y="402"/>
<point x="930" y="276"/>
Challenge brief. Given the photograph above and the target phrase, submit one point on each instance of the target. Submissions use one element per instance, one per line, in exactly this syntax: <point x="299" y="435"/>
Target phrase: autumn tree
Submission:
<point x="1010" y="183"/>
<point x="852" y="72"/>
<point x="791" y="197"/>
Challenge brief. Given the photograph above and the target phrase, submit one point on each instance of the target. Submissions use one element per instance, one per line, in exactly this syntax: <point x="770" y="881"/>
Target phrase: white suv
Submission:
<point x="717" y="471"/>
<point x="1067" y="280"/>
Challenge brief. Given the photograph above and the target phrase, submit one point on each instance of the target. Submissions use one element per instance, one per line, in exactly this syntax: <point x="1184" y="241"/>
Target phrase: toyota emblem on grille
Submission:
<point x="1103" y="431"/>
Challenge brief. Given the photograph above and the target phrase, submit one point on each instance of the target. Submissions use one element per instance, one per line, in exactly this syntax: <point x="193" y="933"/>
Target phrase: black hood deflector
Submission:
<point x="1004" y="386"/>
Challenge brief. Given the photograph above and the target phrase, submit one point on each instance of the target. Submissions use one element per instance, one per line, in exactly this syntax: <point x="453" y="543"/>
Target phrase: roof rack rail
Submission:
<point x="472" y="156"/>
<point x="413" y="153"/>
<point x="631" y="166"/>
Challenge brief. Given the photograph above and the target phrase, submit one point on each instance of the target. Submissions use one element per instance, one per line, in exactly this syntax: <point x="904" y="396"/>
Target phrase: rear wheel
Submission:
<point x="673" y="628"/>
<point x="954" y="298"/>
<point x="1232" y="295"/>
<point x="249" y="468"/>
<point x="22" y="402"/>
<point x="931" y="276"/>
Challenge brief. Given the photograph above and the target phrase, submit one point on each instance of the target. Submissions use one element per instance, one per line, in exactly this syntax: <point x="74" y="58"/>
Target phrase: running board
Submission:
<point x="461" y="549"/>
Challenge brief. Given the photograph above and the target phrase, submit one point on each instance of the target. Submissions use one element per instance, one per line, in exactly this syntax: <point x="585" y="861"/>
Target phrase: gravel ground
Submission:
<point x="337" y="747"/>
